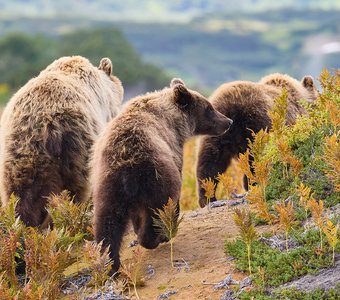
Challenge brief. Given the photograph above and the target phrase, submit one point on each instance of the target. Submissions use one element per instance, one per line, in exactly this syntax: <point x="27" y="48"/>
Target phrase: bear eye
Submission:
<point x="209" y="111"/>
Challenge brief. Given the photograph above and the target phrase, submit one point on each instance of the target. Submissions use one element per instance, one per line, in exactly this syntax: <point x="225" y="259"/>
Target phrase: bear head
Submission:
<point x="204" y="119"/>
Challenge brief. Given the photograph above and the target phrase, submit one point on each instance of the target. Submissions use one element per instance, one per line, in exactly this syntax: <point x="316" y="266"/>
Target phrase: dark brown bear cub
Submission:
<point x="137" y="162"/>
<point x="247" y="104"/>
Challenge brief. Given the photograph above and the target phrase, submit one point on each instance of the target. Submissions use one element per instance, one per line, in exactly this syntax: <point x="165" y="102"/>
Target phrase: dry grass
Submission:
<point x="189" y="188"/>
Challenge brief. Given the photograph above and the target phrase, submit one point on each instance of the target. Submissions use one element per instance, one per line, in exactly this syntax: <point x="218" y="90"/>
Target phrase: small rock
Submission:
<point x="228" y="295"/>
<point x="182" y="264"/>
<point x="325" y="279"/>
<point x="166" y="295"/>
<point x="109" y="295"/>
<point x="238" y="196"/>
<point x="223" y="284"/>
<point x="75" y="283"/>
<point x="218" y="203"/>
<point x="245" y="282"/>
<point x="193" y="214"/>
<point x="134" y="243"/>
<point x="236" y="202"/>
<point x="279" y="242"/>
<point x="150" y="271"/>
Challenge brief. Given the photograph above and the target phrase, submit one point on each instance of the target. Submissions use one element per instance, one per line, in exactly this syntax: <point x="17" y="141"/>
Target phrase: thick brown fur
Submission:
<point x="137" y="161"/>
<point x="247" y="104"/>
<point x="47" y="130"/>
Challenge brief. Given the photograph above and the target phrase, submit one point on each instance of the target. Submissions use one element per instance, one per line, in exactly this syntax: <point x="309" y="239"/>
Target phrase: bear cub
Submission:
<point x="247" y="104"/>
<point x="137" y="161"/>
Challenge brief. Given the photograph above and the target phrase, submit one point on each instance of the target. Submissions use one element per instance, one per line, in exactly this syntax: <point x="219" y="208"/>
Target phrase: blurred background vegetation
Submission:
<point x="204" y="42"/>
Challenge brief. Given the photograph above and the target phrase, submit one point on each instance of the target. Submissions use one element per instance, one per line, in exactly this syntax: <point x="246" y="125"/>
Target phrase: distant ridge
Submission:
<point x="146" y="10"/>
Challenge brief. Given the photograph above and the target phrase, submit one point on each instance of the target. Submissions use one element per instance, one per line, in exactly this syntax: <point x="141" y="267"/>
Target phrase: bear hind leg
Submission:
<point x="109" y="229"/>
<point x="147" y="235"/>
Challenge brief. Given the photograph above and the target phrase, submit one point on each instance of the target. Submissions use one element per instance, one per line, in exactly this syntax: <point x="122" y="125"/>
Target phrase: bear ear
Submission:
<point x="105" y="65"/>
<point x="176" y="81"/>
<point x="182" y="96"/>
<point x="308" y="82"/>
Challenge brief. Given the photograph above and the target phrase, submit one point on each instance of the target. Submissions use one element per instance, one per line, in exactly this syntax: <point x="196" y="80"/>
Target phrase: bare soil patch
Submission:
<point x="200" y="244"/>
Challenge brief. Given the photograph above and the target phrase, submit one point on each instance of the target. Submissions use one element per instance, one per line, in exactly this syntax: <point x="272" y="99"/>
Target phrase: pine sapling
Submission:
<point x="248" y="234"/>
<point x="286" y="217"/>
<point x="258" y="144"/>
<point x="132" y="270"/>
<point x="76" y="217"/>
<point x="46" y="259"/>
<point x="317" y="211"/>
<point x="167" y="222"/>
<point x="210" y="187"/>
<point x="305" y="194"/>
<point x="332" y="159"/>
<point x="331" y="232"/>
<point x="278" y="114"/>
<point x="226" y="181"/>
<point x="244" y="165"/>
<point x="259" y="204"/>
<point x="11" y="229"/>
<point x="98" y="261"/>
<point x="287" y="158"/>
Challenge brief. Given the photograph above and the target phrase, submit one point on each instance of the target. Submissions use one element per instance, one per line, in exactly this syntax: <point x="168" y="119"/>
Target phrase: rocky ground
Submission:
<point x="202" y="270"/>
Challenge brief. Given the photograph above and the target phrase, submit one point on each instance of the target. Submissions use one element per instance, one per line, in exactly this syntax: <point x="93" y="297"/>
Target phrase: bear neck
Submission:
<point x="175" y="128"/>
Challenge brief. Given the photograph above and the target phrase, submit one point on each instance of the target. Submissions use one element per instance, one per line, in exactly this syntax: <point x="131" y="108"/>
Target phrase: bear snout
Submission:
<point x="223" y="125"/>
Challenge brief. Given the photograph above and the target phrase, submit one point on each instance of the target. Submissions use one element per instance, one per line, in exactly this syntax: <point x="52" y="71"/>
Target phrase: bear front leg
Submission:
<point x="245" y="177"/>
<point x="213" y="158"/>
<point x="110" y="228"/>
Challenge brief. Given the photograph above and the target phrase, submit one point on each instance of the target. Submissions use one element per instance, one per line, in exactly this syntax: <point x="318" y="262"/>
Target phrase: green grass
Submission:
<point x="293" y="294"/>
<point x="281" y="267"/>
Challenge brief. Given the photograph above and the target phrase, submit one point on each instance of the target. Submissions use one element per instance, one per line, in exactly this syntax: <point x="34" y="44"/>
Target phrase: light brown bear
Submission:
<point x="138" y="160"/>
<point x="247" y="104"/>
<point x="47" y="130"/>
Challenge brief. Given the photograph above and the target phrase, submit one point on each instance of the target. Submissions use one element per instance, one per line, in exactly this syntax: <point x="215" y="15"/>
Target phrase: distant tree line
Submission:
<point x="24" y="56"/>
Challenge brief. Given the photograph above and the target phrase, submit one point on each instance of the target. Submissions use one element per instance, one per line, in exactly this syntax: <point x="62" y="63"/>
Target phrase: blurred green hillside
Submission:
<point x="24" y="56"/>
<point x="204" y="42"/>
<point x="146" y="10"/>
<point x="216" y="48"/>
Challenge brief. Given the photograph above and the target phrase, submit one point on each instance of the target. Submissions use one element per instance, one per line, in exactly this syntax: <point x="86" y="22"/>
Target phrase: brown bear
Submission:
<point x="47" y="130"/>
<point x="137" y="161"/>
<point x="247" y="104"/>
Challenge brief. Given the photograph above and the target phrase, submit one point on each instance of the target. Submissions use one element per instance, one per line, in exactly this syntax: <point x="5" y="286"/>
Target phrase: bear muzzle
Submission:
<point x="223" y="125"/>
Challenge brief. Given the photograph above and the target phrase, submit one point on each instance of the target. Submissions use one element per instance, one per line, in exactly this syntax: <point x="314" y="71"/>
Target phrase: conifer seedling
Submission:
<point x="331" y="232"/>
<point x="167" y="222"/>
<point x="248" y="233"/>
<point x="286" y="217"/>
<point x="317" y="211"/>
<point x="305" y="194"/>
<point x="209" y="186"/>
<point x="226" y="182"/>
<point x="132" y="270"/>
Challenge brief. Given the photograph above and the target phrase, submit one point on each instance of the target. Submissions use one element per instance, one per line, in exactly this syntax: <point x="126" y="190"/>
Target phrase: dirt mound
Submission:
<point x="199" y="252"/>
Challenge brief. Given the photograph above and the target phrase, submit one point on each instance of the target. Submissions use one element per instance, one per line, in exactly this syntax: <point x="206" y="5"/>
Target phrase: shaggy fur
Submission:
<point x="247" y="104"/>
<point x="138" y="161"/>
<point x="47" y="130"/>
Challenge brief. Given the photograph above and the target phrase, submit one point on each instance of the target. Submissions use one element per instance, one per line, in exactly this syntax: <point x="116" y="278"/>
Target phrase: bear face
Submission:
<point x="137" y="161"/>
<point x="204" y="118"/>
